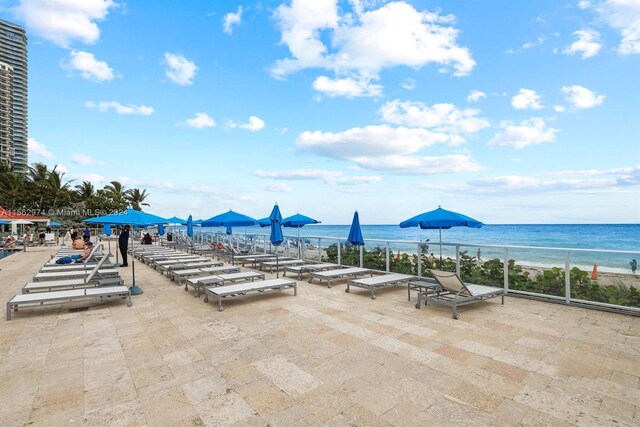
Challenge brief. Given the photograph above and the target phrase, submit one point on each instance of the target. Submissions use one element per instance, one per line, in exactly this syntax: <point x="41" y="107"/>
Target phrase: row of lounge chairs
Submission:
<point x="94" y="280"/>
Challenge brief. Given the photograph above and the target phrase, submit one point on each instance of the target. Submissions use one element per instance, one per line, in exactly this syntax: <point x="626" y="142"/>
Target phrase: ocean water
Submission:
<point x="614" y="237"/>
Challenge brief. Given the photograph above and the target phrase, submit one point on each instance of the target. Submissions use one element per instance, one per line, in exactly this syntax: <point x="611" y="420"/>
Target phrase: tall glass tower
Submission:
<point x="13" y="94"/>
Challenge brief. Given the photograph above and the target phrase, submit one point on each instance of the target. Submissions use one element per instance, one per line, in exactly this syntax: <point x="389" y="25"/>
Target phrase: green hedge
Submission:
<point x="491" y="272"/>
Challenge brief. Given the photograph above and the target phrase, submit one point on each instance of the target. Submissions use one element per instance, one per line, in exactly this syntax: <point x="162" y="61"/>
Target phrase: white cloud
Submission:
<point x="475" y="96"/>
<point x="440" y="117"/>
<point x="84" y="160"/>
<point x="64" y="21"/>
<point x="588" y="44"/>
<point x="537" y="42"/>
<point x="277" y="187"/>
<point x="38" y="150"/>
<point x="421" y="165"/>
<point x="254" y="124"/>
<point x="180" y="70"/>
<point x="526" y="99"/>
<point x="581" y="97"/>
<point x="231" y="19"/>
<point x="408" y="84"/>
<point x="119" y="108"/>
<point x="623" y="15"/>
<point x="524" y="134"/>
<point x="584" y="4"/>
<point x="89" y="67"/>
<point x="326" y="176"/>
<point x="559" y="109"/>
<point x="365" y="43"/>
<point x="200" y="121"/>
<point x="347" y="87"/>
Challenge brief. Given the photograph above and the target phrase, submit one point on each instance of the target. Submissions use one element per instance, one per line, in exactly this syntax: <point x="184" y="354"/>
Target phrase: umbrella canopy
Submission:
<point x="106" y="229"/>
<point x="264" y="222"/>
<point x="175" y="221"/>
<point x="160" y="230"/>
<point x="439" y="219"/>
<point x="355" y="233"/>
<point x="129" y="216"/>
<point x="54" y="224"/>
<point x="229" y="219"/>
<point x="298" y="221"/>
<point x="3" y="222"/>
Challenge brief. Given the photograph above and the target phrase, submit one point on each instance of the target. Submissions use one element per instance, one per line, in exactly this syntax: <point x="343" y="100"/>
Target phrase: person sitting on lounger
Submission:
<point x="88" y="248"/>
<point x="146" y="240"/>
<point x="10" y="243"/>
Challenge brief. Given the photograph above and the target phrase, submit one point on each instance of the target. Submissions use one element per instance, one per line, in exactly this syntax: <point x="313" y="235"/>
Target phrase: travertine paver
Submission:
<point x="321" y="358"/>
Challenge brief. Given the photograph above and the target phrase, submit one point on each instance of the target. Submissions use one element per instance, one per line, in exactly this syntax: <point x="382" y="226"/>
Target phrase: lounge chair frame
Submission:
<point x="379" y="282"/>
<point x="338" y="273"/>
<point x="230" y="291"/>
<point x="453" y="292"/>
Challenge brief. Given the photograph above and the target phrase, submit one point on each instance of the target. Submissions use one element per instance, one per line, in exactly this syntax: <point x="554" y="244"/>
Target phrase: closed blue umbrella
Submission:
<point x="190" y="230"/>
<point x="275" y="237"/>
<point x="441" y="219"/>
<point x="229" y="230"/>
<point x="298" y="221"/>
<point x="106" y="230"/>
<point x="160" y="229"/>
<point x="355" y="234"/>
<point x="133" y="217"/>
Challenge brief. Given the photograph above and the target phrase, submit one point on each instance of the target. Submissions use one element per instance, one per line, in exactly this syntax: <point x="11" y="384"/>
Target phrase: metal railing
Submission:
<point x="562" y="264"/>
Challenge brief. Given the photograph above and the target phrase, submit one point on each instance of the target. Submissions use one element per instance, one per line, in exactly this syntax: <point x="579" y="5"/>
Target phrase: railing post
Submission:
<point x="387" y="257"/>
<point x="361" y="256"/>
<point x="506" y="269"/>
<point x="419" y="261"/>
<point x="339" y="258"/>
<point x="319" y="250"/>
<point x="567" y="279"/>
<point x="458" y="260"/>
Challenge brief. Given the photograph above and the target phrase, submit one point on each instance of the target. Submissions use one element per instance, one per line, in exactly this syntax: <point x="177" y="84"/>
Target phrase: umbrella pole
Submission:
<point x="299" y="245"/>
<point x="135" y="289"/>
<point x="277" y="265"/>
<point x="361" y="256"/>
<point x="440" y="230"/>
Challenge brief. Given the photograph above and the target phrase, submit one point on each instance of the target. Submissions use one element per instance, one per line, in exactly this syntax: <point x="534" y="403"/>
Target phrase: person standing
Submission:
<point x="123" y="242"/>
<point x="634" y="265"/>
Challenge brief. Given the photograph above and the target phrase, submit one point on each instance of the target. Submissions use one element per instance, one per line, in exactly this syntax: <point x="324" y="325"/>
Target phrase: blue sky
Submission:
<point x="510" y="112"/>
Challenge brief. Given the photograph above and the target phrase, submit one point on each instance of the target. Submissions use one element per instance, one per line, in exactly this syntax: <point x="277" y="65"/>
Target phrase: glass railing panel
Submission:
<point x="533" y="270"/>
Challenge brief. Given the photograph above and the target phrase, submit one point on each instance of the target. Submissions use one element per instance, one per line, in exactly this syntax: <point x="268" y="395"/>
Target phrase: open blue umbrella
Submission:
<point x="275" y="237"/>
<point x="132" y="217"/>
<point x="229" y="219"/>
<point x="298" y="221"/>
<point x="54" y="224"/>
<point x="264" y="222"/>
<point x="440" y="219"/>
<point x="355" y="234"/>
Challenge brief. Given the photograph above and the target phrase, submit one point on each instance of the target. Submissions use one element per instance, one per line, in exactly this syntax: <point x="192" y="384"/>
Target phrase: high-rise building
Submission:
<point x="13" y="93"/>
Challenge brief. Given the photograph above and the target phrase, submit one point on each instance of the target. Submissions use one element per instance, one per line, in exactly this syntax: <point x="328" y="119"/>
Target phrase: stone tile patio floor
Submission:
<point x="322" y="358"/>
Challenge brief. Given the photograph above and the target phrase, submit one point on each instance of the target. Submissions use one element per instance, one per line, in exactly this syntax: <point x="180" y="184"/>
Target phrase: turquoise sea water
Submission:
<point x="618" y="237"/>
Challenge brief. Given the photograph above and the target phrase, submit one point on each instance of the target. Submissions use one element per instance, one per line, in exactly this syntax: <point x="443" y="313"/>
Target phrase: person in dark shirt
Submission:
<point x="146" y="240"/>
<point x="123" y="242"/>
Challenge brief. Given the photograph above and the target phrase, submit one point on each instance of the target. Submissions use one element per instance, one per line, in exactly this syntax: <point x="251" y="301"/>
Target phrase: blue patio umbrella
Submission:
<point x="129" y="217"/>
<point x="189" y="225"/>
<point x="298" y="221"/>
<point x="106" y="230"/>
<point x="229" y="230"/>
<point x="441" y="219"/>
<point x="160" y="229"/>
<point x="264" y="222"/>
<point x="3" y="222"/>
<point x="355" y="234"/>
<point x="275" y="237"/>
<point x="175" y="221"/>
<point x="54" y="224"/>
<point x="229" y="219"/>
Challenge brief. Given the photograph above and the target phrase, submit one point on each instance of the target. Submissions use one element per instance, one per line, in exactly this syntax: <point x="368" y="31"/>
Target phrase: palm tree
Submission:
<point x="11" y="187"/>
<point x="37" y="176"/>
<point x="85" y="191"/>
<point x="116" y="191"/>
<point x="137" y="198"/>
<point x="56" y="188"/>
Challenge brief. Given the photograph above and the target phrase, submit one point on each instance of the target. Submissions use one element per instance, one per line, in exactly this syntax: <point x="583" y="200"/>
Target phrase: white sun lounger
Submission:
<point x="453" y="292"/>
<point x="305" y="268"/>
<point x="247" y="276"/>
<point x="59" y="297"/>
<point x="198" y="282"/>
<point x="56" y="285"/>
<point x="329" y="275"/>
<point x="188" y="264"/>
<point x="377" y="282"/>
<point x="105" y="272"/>
<point x="280" y="264"/>
<point x="220" y="292"/>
